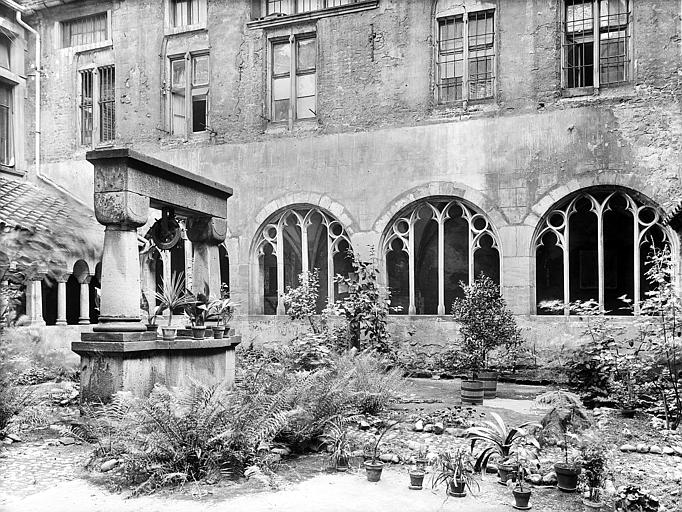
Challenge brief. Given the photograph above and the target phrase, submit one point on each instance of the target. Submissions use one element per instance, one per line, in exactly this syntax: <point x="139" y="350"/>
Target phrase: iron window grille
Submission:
<point x="97" y="87"/>
<point x="466" y="57"/>
<point x="85" y="30"/>
<point x="608" y="44"/>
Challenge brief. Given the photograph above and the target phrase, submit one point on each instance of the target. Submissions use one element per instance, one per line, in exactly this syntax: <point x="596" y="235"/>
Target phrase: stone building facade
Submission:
<point x="537" y="141"/>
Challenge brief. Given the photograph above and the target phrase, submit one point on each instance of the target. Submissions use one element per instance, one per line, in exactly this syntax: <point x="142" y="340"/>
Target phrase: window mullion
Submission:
<point x="600" y="254"/>
<point x="292" y="79"/>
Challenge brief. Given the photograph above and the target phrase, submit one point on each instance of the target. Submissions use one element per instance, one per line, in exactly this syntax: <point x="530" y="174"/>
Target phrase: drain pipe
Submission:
<point x="18" y="12"/>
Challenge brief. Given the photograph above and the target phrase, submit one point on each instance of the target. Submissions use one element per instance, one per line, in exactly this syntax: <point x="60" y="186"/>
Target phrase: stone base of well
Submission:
<point x="110" y="365"/>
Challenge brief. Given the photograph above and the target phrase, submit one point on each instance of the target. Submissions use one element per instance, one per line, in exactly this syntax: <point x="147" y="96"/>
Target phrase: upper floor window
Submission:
<point x="97" y="105"/>
<point x="5" y="51"/>
<point x="596" y="31"/>
<point x="298" y="6"/>
<point x="6" y="125"/>
<point x="189" y="94"/>
<point x="85" y="30"/>
<point x="293" y="78"/>
<point x="184" y="12"/>
<point x="466" y="57"/>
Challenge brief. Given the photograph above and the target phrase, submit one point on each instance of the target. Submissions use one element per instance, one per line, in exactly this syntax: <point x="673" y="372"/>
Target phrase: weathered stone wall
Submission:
<point x="380" y="142"/>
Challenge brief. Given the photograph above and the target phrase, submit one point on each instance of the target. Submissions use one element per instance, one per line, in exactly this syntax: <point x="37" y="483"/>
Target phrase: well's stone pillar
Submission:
<point x="122" y="213"/>
<point x="206" y="234"/>
<point x="84" y="315"/>
<point x="61" y="299"/>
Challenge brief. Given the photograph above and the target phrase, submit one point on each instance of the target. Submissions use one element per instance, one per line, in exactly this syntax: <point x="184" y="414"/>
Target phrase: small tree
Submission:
<point x="367" y="305"/>
<point x="486" y="321"/>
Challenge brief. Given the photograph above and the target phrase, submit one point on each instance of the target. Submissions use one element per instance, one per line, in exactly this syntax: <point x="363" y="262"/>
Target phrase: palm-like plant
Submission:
<point x="172" y="294"/>
<point x="501" y="439"/>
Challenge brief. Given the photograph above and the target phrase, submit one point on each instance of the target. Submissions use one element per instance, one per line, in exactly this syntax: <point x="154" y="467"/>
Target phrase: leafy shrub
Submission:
<point x="486" y="322"/>
<point x="632" y="499"/>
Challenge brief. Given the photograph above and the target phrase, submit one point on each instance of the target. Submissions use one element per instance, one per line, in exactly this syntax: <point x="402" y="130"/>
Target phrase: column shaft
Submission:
<point x="84" y="316"/>
<point x="61" y="303"/>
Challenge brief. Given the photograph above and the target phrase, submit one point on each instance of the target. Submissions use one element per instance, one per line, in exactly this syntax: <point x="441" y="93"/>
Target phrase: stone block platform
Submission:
<point x="118" y="363"/>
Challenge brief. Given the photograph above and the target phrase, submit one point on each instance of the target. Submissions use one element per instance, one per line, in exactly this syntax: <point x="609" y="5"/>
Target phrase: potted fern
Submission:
<point x="374" y="467"/>
<point x="223" y="309"/>
<point x="172" y="295"/>
<point x="485" y="324"/>
<point x="457" y="472"/>
<point x="337" y="441"/>
<point x="196" y="309"/>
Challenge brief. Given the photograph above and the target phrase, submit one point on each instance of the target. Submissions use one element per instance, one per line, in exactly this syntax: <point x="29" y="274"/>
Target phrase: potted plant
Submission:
<point x="223" y="309"/>
<point x="152" y="313"/>
<point x="520" y="491"/>
<point x="485" y="324"/>
<point x="196" y="309"/>
<point x="417" y="478"/>
<point x="172" y="295"/>
<point x="594" y="457"/>
<point x="566" y="417"/>
<point x="374" y="466"/>
<point x="457" y="472"/>
<point x="421" y="460"/>
<point x="502" y="442"/>
<point x="338" y="444"/>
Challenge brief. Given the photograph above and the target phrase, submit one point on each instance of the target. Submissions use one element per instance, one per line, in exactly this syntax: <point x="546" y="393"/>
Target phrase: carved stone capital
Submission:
<point x="126" y="209"/>
<point x="207" y="230"/>
<point x="63" y="278"/>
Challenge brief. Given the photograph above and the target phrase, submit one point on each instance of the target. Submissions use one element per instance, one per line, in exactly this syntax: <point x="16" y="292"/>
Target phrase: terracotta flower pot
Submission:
<point x="592" y="506"/>
<point x="169" y="333"/>
<point x="521" y="499"/>
<point x="506" y="472"/>
<point x="218" y="332"/>
<point x="567" y="476"/>
<point x="416" y="479"/>
<point x="456" y="488"/>
<point x="374" y="470"/>
<point x="152" y="327"/>
<point x="198" y="333"/>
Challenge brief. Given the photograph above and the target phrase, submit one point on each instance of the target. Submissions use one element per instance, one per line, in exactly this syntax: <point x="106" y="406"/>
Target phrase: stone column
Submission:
<point x="206" y="233"/>
<point x="84" y="316"/>
<point x="61" y="299"/>
<point x="122" y="213"/>
<point x="34" y="299"/>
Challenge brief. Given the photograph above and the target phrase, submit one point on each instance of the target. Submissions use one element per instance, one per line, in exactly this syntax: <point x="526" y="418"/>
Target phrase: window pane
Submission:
<point x="86" y="105"/>
<point x="281" y="59"/>
<point x="613" y="42"/>
<point x="199" y="104"/>
<point x="178" y="72"/>
<point x="278" y="7"/>
<point x="306" y="54"/>
<point x="281" y="110"/>
<point x="178" y="104"/>
<point x="578" y="16"/>
<point x="5" y="45"/>
<point x="5" y="124"/>
<point x="281" y="89"/>
<point x="613" y="13"/>
<point x="184" y="12"/>
<point x="200" y="70"/>
<point x="308" y="5"/>
<point x="305" y="107"/>
<point x="481" y="55"/>
<point x="305" y="85"/>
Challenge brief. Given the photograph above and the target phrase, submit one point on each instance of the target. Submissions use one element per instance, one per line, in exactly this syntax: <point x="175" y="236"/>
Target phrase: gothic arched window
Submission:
<point x="594" y="245"/>
<point x="298" y="239"/>
<point x="433" y="245"/>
